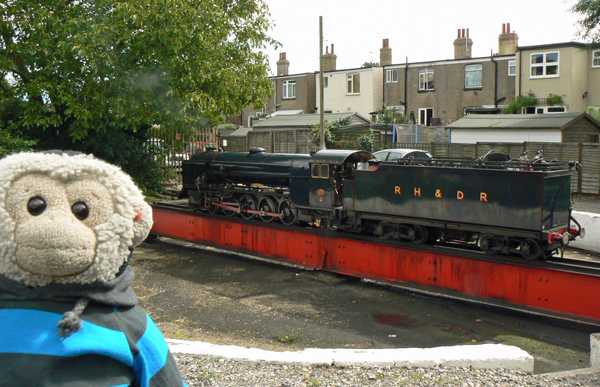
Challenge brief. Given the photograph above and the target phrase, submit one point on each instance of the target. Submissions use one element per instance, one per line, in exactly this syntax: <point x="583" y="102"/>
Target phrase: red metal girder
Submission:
<point x="554" y="291"/>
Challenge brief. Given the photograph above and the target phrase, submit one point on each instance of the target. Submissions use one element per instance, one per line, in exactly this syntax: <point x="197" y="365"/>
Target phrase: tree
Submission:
<point x="590" y="22"/>
<point x="89" y="70"/>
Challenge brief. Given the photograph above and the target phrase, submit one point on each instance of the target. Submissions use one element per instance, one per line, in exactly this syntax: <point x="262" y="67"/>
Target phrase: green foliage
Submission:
<point x="365" y="142"/>
<point x="594" y="112"/>
<point x="10" y="144"/>
<point x="90" y="70"/>
<point x="329" y="136"/>
<point x="589" y="25"/>
<point x="554" y="99"/>
<point x="288" y="339"/>
<point x="369" y="64"/>
<point x="520" y="102"/>
<point x="387" y="116"/>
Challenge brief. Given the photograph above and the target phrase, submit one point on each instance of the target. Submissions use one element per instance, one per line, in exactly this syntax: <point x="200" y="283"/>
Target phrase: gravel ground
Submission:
<point x="214" y="371"/>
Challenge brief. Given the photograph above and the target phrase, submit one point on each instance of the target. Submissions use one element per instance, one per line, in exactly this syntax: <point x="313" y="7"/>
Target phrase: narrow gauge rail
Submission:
<point x="532" y="286"/>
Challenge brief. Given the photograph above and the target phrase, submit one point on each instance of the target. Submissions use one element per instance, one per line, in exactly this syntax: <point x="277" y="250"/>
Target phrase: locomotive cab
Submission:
<point x="329" y="169"/>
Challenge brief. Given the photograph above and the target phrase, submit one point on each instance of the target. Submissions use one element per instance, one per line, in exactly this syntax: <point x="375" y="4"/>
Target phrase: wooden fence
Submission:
<point x="585" y="181"/>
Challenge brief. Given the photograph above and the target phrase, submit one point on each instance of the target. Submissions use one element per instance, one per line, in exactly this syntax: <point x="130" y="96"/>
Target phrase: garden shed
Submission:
<point x="519" y="128"/>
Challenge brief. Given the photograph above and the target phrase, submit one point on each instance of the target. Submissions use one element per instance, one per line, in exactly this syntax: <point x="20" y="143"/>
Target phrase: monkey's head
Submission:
<point x="67" y="218"/>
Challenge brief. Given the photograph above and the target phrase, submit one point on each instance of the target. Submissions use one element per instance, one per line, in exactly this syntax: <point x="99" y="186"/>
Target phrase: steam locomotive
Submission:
<point x="500" y="205"/>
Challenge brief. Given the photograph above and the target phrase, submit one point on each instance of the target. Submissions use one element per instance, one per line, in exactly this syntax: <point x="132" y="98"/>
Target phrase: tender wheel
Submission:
<point x="417" y="234"/>
<point x="267" y="204"/>
<point x="530" y="249"/>
<point x="489" y="244"/>
<point x="247" y="202"/>
<point x="289" y="214"/>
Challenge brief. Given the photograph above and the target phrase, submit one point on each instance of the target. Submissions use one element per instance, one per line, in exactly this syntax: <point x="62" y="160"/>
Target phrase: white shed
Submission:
<point x="555" y="127"/>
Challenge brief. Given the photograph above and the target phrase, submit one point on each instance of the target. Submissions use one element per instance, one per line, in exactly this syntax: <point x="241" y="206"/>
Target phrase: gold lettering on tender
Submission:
<point x="483" y="197"/>
<point x="438" y="193"/>
<point x="397" y="190"/>
<point x="460" y="195"/>
<point x="417" y="191"/>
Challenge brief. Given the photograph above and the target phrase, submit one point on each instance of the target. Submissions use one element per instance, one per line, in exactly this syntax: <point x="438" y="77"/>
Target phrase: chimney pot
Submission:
<point x="503" y="28"/>
<point x="331" y="48"/>
<point x="458" y="35"/>
<point x="467" y="32"/>
<point x="507" y="27"/>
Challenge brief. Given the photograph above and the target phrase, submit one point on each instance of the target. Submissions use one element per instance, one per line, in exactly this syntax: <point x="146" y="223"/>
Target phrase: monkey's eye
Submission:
<point x="80" y="210"/>
<point x="36" y="206"/>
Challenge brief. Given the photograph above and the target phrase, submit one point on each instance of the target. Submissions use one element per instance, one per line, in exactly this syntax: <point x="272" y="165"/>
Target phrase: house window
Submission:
<point x="425" y="116"/>
<point x="512" y="67"/>
<point x="325" y="82"/>
<point x="596" y="58"/>
<point x="473" y="76"/>
<point x="391" y="76"/>
<point x="544" y="64"/>
<point x="289" y="89"/>
<point x="556" y="109"/>
<point x="353" y="81"/>
<point x="426" y="79"/>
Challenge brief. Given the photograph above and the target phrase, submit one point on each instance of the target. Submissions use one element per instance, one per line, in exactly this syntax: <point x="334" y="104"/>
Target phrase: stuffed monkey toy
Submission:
<point x="68" y="317"/>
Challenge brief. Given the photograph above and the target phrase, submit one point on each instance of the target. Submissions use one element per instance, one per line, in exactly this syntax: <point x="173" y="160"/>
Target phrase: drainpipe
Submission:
<point x="519" y="70"/>
<point x="406" y="88"/>
<point x="495" y="82"/>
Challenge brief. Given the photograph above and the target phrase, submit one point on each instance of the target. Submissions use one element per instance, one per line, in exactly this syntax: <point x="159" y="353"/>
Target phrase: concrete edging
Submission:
<point x="482" y="356"/>
<point x="591" y="223"/>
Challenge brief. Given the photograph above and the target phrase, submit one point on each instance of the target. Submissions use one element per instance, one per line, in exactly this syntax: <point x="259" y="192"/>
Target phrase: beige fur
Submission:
<point x="56" y="246"/>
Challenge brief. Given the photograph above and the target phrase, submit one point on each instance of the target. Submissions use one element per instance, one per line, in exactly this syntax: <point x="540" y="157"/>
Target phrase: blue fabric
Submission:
<point x="153" y="353"/>
<point x="34" y="332"/>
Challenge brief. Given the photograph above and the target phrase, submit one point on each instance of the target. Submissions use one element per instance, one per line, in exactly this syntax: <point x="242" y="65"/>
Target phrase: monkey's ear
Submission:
<point x="142" y="223"/>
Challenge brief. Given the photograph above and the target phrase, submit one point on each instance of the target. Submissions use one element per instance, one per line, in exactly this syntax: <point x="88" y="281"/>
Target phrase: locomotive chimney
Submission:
<point x="283" y="65"/>
<point x="462" y="45"/>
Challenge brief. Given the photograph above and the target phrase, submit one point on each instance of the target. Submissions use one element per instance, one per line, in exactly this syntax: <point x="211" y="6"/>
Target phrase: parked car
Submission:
<point x="404" y="154"/>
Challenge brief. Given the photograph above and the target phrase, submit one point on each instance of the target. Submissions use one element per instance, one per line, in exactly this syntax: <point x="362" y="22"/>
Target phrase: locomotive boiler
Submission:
<point x="503" y="207"/>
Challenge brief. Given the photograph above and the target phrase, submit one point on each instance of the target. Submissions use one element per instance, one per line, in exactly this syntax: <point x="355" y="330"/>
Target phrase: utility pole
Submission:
<point x="321" y="93"/>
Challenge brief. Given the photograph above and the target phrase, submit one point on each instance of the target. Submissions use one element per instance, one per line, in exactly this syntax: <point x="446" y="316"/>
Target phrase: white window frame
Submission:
<point x="474" y="68"/>
<point x="512" y="65"/>
<point x="391" y="76"/>
<point x="325" y="82"/>
<point x="544" y="64"/>
<point x="353" y="84"/>
<point x="426" y="79"/>
<point x="426" y="121"/>
<point x="288" y="89"/>
<point x="595" y="58"/>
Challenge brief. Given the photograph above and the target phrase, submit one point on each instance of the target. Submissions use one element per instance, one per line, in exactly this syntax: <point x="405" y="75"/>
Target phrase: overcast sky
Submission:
<point x="420" y="30"/>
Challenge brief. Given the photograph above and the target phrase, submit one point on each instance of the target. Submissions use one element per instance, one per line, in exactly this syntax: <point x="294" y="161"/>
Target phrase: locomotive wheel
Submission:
<point x="267" y="204"/>
<point x="230" y="202"/>
<point x="288" y="212"/>
<point x="417" y="234"/>
<point x="247" y="202"/>
<point x="490" y="244"/>
<point x="530" y="249"/>
<point x="212" y="209"/>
